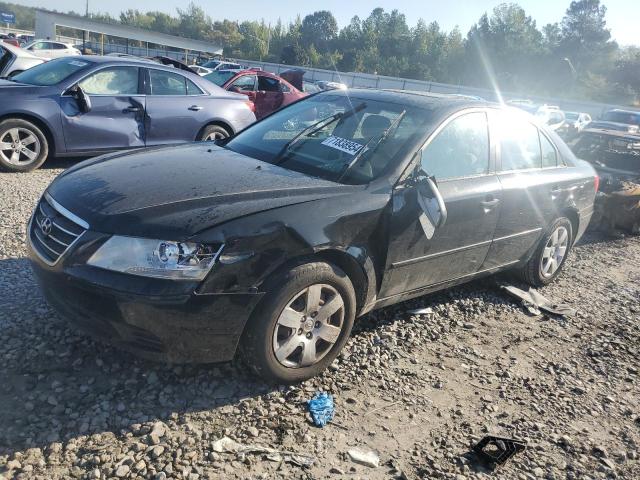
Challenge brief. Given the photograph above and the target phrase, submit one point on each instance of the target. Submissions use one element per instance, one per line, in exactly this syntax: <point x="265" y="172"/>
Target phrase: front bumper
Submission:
<point x="163" y="324"/>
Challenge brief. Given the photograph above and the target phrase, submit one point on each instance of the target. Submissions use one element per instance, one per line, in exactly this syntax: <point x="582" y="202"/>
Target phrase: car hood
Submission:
<point x="173" y="193"/>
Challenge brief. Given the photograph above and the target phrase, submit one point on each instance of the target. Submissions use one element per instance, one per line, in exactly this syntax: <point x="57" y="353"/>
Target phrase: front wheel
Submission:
<point x="23" y="146"/>
<point x="302" y="323"/>
<point x="547" y="261"/>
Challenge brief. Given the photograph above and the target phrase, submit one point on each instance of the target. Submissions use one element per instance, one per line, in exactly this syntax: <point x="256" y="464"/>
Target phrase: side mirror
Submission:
<point x="434" y="210"/>
<point x="84" y="101"/>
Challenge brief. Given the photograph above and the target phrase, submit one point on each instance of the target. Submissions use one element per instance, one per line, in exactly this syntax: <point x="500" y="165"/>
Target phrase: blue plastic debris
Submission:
<point x="321" y="408"/>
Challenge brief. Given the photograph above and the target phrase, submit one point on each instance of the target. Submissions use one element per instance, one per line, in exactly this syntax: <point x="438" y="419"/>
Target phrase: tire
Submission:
<point x="538" y="272"/>
<point x="213" y="132"/>
<point x="32" y="141"/>
<point x="281" y="354"/>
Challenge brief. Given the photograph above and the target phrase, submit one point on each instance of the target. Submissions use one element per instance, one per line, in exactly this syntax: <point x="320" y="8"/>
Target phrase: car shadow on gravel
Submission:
<point x="57" y="384"/>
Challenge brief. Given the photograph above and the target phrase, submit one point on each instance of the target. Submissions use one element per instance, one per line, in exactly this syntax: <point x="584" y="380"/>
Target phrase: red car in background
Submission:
<point x="9" y="39"/>
<point x="267" y="91"/>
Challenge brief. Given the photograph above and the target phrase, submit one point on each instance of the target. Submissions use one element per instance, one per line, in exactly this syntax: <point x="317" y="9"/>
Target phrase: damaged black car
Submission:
<point x="274" y="241"/>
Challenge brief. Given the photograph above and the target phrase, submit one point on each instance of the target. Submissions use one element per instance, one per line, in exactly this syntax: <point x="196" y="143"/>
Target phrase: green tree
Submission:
<point x="585" y="38"/>
<point x="504" y="49"/>
<point x="193" y="22"/>
<point x="319" y="29"/>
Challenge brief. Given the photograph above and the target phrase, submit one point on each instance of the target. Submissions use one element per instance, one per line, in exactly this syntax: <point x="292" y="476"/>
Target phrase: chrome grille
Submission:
<point x="53" y="230"/>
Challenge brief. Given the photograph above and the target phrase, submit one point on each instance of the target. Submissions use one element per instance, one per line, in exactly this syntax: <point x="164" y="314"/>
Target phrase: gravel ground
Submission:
<point x="417" y="390"/>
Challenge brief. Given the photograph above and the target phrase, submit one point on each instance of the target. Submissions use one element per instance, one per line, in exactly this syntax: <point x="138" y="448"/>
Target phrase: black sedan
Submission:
<point x="81" y="106"/>
<point x="276" y="240"/>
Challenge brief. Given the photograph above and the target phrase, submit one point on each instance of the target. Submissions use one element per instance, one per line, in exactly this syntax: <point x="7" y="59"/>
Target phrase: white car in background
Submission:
<point x="52" y="49"/>
<point x="15" y="60"/>
<point x="221" y="65"/>
<point x="202" y="71"/>
<point x="577" y="120"/>
<point x="551" y="116"/>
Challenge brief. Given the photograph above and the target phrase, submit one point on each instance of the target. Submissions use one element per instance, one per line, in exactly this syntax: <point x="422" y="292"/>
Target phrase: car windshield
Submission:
<point x="629" y="118"/>
<point x="53" y="72"/>
<point x="335" y="137"/>
<point x="571" y="116"/>
<point x="211" y="64"/>
<point x="219" y="77"/>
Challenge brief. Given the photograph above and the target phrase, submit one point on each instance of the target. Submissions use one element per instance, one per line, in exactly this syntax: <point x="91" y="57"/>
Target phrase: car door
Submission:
<point x="269" y="96"/>
<point x="530" y="191"/>
<point x="116" y="118"/>
<point x="459" y="157"/>
<point x="61" y="50"/>
<point x="41" y="49"/>
<point x="175" y="108"/>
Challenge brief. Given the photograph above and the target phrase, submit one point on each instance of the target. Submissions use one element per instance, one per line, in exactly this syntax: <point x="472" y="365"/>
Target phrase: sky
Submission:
<point x="622" y="15"/>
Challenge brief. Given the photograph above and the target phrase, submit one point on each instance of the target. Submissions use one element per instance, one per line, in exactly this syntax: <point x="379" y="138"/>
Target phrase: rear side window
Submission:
<point x="192" y="88"/>
<point x="112" y="81"/>
<point x="519" y="142"/>
<point x="461" y="149"/>
<point x="167" y="83"/>
<point x="284" y="88"/>
<point x="549" y="155"/>
<point x="268" y="84"/>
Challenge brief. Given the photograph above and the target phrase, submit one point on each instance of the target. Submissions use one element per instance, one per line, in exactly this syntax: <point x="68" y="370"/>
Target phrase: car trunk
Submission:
<point x="294" y="77"/>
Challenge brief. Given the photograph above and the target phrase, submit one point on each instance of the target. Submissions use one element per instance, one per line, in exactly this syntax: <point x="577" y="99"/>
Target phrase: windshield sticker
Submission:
<point x="77" y="63"/>
<point x="343" y="145"/>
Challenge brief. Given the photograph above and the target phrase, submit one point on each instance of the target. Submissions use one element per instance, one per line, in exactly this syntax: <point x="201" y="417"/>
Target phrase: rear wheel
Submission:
<point x="23" y="146"/>
<point x="550" y="255"/>
<point x="302" y="324"/>
<point x="214" y="132"/>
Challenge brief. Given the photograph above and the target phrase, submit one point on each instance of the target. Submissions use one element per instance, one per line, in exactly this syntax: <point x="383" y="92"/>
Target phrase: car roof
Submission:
<point x="147" y="62"/>
<point x="48" y="40"/>
<point x="410" y="97"/>
<point x="620" y="110"/>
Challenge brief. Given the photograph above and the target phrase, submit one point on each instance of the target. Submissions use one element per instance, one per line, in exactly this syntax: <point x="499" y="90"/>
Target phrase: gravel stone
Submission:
<point x="417" y="389"/>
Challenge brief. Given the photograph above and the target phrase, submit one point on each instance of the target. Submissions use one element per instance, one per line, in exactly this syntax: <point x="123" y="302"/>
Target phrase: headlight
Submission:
<point x="156" y="258"/>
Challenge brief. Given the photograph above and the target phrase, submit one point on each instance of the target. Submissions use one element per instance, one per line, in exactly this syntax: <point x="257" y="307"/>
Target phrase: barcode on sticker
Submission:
<point x="343" y="145"/>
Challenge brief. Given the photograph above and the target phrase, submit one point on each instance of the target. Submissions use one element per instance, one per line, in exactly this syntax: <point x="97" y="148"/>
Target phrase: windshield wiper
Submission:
<point x="365" y="148"/>
<point x="316" y="127"/>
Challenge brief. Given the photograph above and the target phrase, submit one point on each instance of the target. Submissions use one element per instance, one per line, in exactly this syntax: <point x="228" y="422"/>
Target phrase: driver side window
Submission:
<point x="112" y="81"/>
<point x="461" y="149"/>
<point x="246" y="83"/>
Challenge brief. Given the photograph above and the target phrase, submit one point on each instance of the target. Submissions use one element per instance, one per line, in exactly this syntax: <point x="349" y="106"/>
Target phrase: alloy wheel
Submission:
<point x="308" y="326"/>
<point x="554" y="252"/>
<point x="214" y="136"/>
<point x="19" y="146"/>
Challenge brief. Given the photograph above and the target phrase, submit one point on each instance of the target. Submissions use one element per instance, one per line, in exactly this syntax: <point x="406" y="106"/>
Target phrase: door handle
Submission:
<point x="490" y="203"/>
<point x="131" y="109"/>
<point x="195" y="108"/>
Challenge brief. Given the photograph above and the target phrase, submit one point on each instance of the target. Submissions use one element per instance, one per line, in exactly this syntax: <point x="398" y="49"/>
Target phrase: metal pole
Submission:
<point x="84" y="32"/>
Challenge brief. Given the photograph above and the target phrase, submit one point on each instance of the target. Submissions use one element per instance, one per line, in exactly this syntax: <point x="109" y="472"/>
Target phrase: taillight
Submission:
<point x="251" y="105"/>
<point x="596" y="182"/>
